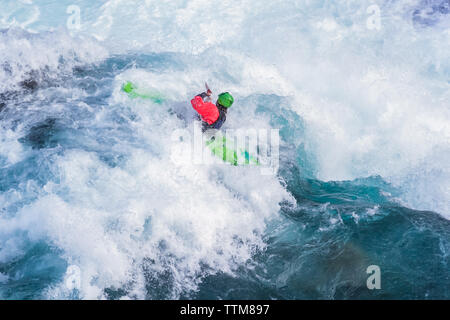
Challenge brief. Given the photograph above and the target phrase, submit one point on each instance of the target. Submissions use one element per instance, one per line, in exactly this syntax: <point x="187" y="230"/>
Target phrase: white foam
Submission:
<point x="58" y="54"/>
<point x="109" y="222"/>
<point x="11" y="150"/>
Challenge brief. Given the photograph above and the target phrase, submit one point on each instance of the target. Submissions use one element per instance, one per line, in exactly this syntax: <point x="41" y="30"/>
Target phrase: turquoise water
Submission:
<point x="92" y="207"/>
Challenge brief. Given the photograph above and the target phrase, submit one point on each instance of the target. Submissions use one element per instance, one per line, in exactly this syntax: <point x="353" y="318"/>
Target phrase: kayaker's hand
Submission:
<point x="209" y="93"/>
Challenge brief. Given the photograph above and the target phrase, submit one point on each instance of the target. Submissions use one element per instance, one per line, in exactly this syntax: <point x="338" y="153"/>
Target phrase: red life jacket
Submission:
<point x="207" y="110"/>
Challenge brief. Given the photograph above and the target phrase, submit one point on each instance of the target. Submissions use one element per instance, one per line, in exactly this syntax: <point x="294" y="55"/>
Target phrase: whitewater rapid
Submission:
<point x="89" y="195"/>
<point x="375" y="96"/>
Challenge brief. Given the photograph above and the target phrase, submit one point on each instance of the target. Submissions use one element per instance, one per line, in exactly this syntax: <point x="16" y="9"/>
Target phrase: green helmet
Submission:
<point x="225" y="99"/>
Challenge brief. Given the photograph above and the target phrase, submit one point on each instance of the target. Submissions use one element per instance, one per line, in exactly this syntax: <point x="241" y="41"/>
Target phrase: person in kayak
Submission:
<point x="213" y="116"/>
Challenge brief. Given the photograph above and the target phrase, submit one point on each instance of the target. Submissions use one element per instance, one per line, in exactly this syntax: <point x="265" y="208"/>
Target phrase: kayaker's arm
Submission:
<point x="203" y="95"/>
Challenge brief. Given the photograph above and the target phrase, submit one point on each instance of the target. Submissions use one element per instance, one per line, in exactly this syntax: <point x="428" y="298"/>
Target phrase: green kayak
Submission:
<point x="218" y="146"/>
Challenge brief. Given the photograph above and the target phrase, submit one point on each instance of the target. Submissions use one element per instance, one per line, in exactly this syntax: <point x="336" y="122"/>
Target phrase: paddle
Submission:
<point x="208" y="91"/>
